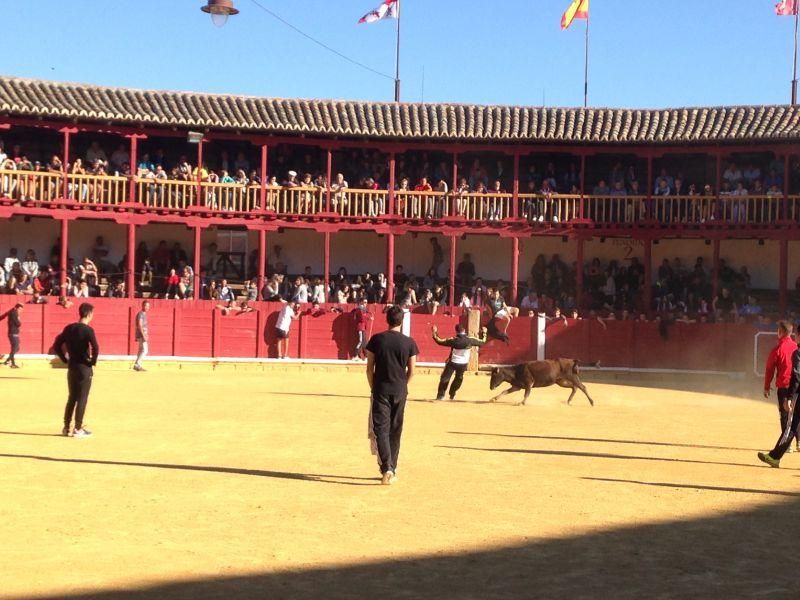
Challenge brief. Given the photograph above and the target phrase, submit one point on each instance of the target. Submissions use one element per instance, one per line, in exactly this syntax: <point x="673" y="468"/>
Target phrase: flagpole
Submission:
<point x="794" y="68"/>
<point x="586" y="64"/>
<point x="397" y="58"/>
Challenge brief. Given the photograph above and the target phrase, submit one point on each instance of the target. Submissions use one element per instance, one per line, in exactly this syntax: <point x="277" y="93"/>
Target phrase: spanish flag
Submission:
<point x="579" y="9"/>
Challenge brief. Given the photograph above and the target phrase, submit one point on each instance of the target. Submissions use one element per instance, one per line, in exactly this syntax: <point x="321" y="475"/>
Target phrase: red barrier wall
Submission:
<point x="197" y="329"/>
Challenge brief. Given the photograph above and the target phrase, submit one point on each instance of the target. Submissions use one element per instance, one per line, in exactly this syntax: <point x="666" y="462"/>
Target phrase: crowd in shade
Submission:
<point x="611" y="290"/>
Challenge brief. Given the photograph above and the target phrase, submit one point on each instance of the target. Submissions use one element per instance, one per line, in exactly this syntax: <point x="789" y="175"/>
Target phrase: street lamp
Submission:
<point x="220" y="10"/>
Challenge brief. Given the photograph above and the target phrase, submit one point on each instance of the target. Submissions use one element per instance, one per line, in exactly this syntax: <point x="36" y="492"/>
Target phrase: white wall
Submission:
<point x="358" y="252"/>
<point x="763" y="262"/>
<point x="38" y="235"/>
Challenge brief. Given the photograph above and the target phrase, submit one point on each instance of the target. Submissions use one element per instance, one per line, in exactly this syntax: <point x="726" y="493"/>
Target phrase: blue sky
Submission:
<point x="644" y="53"/>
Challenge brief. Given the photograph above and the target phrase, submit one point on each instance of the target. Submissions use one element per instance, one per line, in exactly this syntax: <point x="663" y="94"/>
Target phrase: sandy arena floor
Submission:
<point x="249" y="483"/>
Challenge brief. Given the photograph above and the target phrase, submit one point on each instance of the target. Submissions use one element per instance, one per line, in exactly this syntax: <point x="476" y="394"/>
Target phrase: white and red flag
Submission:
<point x="786" y="8"/>
<point x="389" y="9"/>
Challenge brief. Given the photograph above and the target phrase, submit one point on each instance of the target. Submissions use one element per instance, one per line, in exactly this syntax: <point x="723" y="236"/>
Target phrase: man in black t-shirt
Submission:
<point x="391" y="358"/>
<point x="14" y="325"/>
<point x="77" y="346"/>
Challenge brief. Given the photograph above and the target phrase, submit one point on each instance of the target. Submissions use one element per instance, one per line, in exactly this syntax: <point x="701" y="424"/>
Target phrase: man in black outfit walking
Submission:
<point x="77" y="346"/>
<point x="391" y="358"/>
<point x="14" y="325"/>
<point x="459" y="358"/>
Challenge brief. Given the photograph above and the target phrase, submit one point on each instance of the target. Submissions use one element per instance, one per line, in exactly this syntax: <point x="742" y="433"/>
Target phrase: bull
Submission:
<point x="540" y="373"/>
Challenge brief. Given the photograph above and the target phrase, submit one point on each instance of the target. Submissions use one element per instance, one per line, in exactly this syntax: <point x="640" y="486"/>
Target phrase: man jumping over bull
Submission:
<point x="460" y="348"/>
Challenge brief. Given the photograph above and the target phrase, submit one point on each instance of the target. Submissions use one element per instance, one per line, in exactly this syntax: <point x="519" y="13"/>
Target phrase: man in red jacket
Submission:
<point x="779" y="367"/>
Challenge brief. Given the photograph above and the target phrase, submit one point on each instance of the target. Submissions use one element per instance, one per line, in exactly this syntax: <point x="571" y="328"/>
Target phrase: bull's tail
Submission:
<point x="582" y="363"/>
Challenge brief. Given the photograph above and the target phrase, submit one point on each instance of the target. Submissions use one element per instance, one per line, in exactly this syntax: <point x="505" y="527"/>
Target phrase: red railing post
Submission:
<point x="392" y="183"/>
<point x="62" y="259"/>
<point x="582" y="209"/>
<point x="718" y="186"/>
<point x="452" y="276"/>
<point x="389" y="268"/>
<point x="786" y="175"/>
<point x="327" y="264"/>
<point x="130" y="274"/>
<point x="648" y="275"/>
<point x="578" y="275"/>
<point x="514" y="269"/>
<point x="454" y="189"/>
<point x="263" y="190"/>
<point x="262" y="260"/>
<point x="198" y="201"/>
<point x="196" y="261"/>
<point x="133" y="165"/>
<point x="648" y="209"/>
<point x="783" y="275"/>
<point x="515" y="189"/>
<point x="329" y="170"/>
<point x="67" y="131"/>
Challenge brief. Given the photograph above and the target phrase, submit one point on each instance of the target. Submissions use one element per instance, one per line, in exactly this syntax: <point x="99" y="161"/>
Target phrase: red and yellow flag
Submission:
<point x="579" y="9"/>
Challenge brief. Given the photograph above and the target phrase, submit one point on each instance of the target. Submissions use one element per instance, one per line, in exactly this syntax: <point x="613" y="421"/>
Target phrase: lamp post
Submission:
<point x="220" y="10"/>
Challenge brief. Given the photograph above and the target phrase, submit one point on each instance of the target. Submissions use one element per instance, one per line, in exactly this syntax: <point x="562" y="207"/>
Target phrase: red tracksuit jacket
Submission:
<point x="779" y="363"/>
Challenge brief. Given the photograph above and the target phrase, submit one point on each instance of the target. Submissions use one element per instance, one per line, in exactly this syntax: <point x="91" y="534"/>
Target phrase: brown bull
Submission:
<point x="540" y="373"/>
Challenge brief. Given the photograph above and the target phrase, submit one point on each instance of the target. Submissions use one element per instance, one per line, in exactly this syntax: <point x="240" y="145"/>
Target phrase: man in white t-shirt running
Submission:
<point x="288" y="313"/>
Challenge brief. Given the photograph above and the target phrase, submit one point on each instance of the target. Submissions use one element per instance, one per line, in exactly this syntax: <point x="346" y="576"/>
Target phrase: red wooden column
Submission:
<point x="62" y="261"/>
<point x="514" y="269"/>
<point x="262" y="259"/>
<point x="718" y="185"/>
<point x="515" y="189"/>
<point x="579" y="274"/>
<point x="389" y="268"/>
<point x="649" y="203"/>
<point x="392" y="182"/>
<point x="454" y="207"/>
<point x="329" y="170"/>
<point x="787" y="159"/>
<point x="199" y="201"/>
<point x="133" y="164"/>
<point x="648" y="275"/>
<point x="715" y="267"/>
<point x="263" y="191"/>
<point x="452" y="282"/>
<point x="783" y="285"/>
<point x="130" y="267"/>
<point x="67" y="131"/>
<point x="583" y="187"/>
<point x="198" y="230"/>
<point x="327" y="264"/>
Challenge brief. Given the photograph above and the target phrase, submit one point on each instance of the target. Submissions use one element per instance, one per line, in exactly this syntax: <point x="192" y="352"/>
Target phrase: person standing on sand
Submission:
<point x="14" y="325"/>
<point x="142" y="335"/>
<point x="391" y="359"/>
<point x="779" y="368"/>
<point x="77" y="347"/>
<point x="790" y="413"/>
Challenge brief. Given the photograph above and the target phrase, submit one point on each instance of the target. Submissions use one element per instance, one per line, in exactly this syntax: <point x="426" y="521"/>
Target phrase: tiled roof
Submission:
<point x="378" y="120"/>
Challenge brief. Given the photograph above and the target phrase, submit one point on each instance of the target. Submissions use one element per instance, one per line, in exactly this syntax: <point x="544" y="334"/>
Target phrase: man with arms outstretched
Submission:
<point x="460" y="348"/>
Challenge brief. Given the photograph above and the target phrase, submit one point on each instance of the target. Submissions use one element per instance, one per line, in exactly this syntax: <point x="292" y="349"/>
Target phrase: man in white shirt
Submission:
<point x="289" y="313"/>
<point x="530" y="302"/>
<point x="31" y="265"/>
<point x="11" y="260"/>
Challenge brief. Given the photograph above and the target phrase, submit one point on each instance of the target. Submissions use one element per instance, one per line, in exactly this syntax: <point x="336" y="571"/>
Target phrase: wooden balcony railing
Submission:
<point x="181" y="196"/>
<point x="37" y="186"/>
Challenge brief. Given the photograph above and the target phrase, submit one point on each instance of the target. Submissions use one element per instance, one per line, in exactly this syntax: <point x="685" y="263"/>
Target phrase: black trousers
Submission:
<point x="387" y="425"/>
<point x="13" y="341"/>
<point x="790" y="422"/>
<point x="449" y="369"/>
<point x="79" y="381"/>
<point x="783" y="394"/>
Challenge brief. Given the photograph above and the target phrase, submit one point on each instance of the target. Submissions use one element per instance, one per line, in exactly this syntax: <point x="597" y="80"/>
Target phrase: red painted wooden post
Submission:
<point x="133" y="165"/>
<point x="454" y="189"/>
<point x="452" y="277"/>
<point x="783" y="275"/>
<point x="329" y="170"/>
<point x="715" y="276"/>
<point x="514" y="269"/>
<point x="199" y="200"/>
<point x="579" y="274"/>
<point x="327" y="264"/>
<point x="62" y="262"/>
<point x="67" y="131"/>
<point x="582" y="209"/>
<point x="718" y="186"/>
<point x="786" y="175"/>
<point x="649" y="203"/>
<point x="263" y="190"/>
<point x="130" y="266"/>
<point x="648" y="275"/>
<point x="515" y="189"/>
<point x="392" y="183"/>
<point x="196" y="261"/>
<point x="389" y="268"/>
<point x="262" y="259"/>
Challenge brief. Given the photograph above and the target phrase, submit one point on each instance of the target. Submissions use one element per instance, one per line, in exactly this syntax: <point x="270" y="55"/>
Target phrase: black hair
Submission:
<point x="85" y="309"/>
<point x="460" y="328"/>
<point x="394" y="316"/>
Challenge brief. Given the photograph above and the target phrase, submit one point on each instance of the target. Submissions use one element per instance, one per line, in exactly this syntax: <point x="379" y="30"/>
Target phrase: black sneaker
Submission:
<point x="14" y="366"/>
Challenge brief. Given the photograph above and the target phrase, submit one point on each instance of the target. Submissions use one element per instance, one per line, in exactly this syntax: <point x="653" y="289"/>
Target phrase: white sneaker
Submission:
<point x="555" y="219"/>
<point x="388" y="478"/>
<point x="81" y="433"/>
